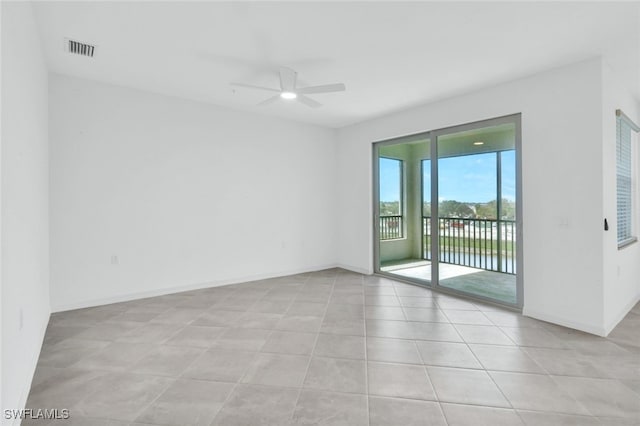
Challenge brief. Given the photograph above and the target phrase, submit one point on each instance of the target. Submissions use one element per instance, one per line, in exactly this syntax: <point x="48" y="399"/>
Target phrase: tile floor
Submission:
<point x="331" y="348"/>
<point x="494" y="285"/>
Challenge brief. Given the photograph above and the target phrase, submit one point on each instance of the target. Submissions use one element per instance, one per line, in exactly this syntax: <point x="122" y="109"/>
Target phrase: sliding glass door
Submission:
<point x="477" y="209"/>
<point x="453" y="222"/>
<point x="399" y="207"/>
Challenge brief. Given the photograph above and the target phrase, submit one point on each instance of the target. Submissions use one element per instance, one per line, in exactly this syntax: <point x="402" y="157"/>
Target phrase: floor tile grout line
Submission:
<point x="424" y="368"/>
<point x="366" y="356"/>
<point x="435" y="392"/>
<point x="313" y="349"/>
<point x="556" y="385"/>
<point x="481" y="364"/>
<point x="484" y="368"/>
<point x="299" y="290"/>
<point x="227" y="399"/>
<point x="551" y="376"/>
<point x="259" y="351"/>
<point x="180" y="377"/>
<point x="238" y="381"/>
<point x="493" y="381"/>
<point x="141" y="411"/>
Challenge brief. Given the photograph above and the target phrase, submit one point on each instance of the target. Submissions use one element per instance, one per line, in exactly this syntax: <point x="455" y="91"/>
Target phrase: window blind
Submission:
<point x="625" y="178"/>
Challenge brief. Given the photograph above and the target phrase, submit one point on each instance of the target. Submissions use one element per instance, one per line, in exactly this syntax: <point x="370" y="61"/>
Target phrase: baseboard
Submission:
<point x="587" y="328"/>
<point x="354" y="269"/>
<point x="623" y="313"/>
<point x="26" y="388"/>
<point x="187" y="287"/>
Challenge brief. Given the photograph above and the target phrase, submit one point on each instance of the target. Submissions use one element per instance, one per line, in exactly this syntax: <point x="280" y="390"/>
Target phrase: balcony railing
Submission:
<point x="391" y="227"/>
<point x="478" y="243"/>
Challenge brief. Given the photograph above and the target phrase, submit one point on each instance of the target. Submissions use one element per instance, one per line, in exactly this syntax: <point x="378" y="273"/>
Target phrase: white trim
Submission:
<point x="629" y="121"/>
<point x="623" y="313"/>
<point x="26" y="387"/>
<point x="180" y="288"/>
<point x="357" y="269"/>
<point x="587" y="328"/>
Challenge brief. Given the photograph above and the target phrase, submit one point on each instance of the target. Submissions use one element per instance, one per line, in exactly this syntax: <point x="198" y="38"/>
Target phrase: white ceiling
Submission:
<point x="390" y="55"/>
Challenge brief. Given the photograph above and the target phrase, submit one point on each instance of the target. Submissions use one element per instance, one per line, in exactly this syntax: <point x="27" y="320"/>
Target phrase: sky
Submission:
<point x="469" y="178"/>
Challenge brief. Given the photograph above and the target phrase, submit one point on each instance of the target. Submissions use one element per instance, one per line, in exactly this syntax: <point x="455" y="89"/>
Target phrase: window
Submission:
<point x="391" y="218"/>
<point x="625" y="178"/>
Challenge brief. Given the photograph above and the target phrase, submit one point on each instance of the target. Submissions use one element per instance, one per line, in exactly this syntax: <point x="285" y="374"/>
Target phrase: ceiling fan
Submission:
<point x="288" y="89"/>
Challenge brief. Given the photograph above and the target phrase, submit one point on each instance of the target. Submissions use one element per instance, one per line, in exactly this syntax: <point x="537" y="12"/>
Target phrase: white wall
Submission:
<point x="562" y="184"/>
<point x="183" y="193"/>
<point x="621" y="267"/>
<point x="1" y="281"/>
<point x="25" y="206"/>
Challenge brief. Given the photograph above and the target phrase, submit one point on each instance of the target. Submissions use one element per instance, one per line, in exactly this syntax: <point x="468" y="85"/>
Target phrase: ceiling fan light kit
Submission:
<point x="289" y="91"/>
<point x="288" y="95"/>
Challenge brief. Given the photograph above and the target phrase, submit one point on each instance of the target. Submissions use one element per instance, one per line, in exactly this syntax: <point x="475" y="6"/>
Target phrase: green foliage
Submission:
<point x="508" y="209"/>
<point x="452" y="208"/>
<point x="480" y="246"/>
<point x="390" y="208"/>
<point x="489" y="210"/>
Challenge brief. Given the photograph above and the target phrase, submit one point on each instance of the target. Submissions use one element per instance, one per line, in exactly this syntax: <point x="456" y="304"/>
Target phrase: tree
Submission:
<point x="490" y="210"/>
<point x="508" y="209"/>
<point x="486" y="210"/>
<point x="452" y="208"/>
<point x="389" y="208"/>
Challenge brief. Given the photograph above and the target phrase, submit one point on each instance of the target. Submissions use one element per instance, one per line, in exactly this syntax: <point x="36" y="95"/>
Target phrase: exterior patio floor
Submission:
<point x="479" y="282"/>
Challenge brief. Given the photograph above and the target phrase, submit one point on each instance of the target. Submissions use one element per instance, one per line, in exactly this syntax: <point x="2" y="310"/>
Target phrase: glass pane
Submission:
<point x="624" y="181"/>
<point x="426" y="187"/>
<point x="467" y="186"/>
<point x="426" y="209"/>
<point x="401" y="225"/>
<point x="476" y="212"/>
<point x="390" y="186"/>
<point x="508" y="185"/>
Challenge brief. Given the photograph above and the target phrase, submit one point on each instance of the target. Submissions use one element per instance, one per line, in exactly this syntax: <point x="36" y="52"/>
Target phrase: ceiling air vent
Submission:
<point x="79" y="48"/>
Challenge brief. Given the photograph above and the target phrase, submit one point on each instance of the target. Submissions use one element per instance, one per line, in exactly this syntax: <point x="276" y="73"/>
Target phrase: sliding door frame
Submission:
<point x="433" y="135"/>
<point x="376" y="196"/>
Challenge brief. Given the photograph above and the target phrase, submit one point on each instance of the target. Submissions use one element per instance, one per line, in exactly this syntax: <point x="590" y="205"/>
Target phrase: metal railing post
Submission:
<point x="458" y="244"/>
<point x="499" y="206"/>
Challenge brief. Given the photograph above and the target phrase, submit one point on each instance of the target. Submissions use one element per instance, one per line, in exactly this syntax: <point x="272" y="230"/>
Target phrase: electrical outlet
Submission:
<point x="115" y="260"/>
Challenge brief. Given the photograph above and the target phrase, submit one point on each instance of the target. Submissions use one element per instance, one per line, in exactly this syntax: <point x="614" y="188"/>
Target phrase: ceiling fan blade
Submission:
<point x="269" y="100"/>
<point x="325" y="88"/>
<point x="308" y="101"/>
<point x="288" y="79"/>
<point x="251" y="86"/>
